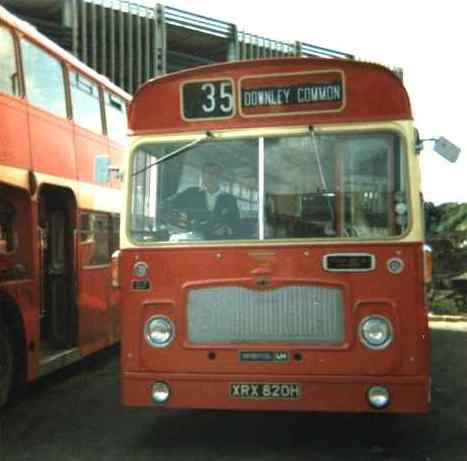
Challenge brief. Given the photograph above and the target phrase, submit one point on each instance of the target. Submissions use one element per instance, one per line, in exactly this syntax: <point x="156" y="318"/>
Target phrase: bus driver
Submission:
<point x="206" y="208"/>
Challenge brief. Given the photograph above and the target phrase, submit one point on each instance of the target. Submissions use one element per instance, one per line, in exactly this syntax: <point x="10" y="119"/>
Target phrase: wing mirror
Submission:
<point x="442" y="146"/>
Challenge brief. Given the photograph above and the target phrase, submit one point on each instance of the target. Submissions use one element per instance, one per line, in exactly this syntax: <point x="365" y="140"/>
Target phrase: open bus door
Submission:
<point x="57" y="223"/>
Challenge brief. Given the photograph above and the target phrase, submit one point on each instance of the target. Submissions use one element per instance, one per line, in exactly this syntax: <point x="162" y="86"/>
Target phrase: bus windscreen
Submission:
<point x="284" y="187"/>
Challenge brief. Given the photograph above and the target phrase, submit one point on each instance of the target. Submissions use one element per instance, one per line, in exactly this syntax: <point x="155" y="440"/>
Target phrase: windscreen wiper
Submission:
<point x="176" y="152"/>
<point x="321" y="173"/>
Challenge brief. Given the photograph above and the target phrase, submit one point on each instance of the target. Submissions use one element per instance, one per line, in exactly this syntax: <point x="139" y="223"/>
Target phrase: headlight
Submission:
<point x="159" y="331"/>
<point x="376" y="332"/>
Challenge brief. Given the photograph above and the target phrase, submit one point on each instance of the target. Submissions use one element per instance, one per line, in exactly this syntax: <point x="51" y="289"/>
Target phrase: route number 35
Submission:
<point x="217" y="96"/>
<point x="208" y="99"/>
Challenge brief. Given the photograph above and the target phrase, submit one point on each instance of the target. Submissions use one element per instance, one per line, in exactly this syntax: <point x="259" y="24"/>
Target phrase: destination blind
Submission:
<point x="299" y="94"/>
<point x="292" y="93"/>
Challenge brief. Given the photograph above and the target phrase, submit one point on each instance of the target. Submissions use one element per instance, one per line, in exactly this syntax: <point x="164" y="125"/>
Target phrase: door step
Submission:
<point x="53" y="359"/>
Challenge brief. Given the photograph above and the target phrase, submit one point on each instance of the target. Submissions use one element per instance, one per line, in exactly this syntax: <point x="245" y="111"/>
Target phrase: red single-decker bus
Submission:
<point x="272" y="246"/>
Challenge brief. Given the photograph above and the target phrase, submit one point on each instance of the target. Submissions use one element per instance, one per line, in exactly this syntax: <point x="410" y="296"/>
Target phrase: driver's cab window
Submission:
<point x="7" y="228"/>
<point x="208" y="193"/>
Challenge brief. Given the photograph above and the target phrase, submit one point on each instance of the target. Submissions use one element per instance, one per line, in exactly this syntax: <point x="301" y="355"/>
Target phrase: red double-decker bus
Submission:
<point x="272" y="252"/>
<point x="62" y="126"/>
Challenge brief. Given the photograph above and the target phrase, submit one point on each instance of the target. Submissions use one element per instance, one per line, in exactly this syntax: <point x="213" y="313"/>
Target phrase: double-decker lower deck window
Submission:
<point x="95" y="239"/>
<point x="99" y="237"/>
<point x="270" y="188"/>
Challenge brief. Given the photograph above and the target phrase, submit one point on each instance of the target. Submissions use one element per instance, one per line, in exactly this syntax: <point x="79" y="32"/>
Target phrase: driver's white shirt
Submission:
<point x="211" y="199"/>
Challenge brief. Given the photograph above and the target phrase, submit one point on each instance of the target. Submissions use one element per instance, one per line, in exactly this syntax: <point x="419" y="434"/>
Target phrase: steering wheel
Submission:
<point x="182" y="220"/>
<point x="174" y="218"/>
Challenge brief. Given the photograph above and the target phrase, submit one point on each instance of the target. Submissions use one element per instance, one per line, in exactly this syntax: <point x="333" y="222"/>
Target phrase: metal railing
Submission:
<point x="179" y="18"/>
<point x="307" y="50"/>
<point x="256" y="47"/>
<point x="131" y="43"/>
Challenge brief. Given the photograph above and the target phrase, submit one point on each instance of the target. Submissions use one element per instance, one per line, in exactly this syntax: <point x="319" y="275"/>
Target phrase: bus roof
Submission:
<point x="29" y="31"/>
<point x="364" y="92"/>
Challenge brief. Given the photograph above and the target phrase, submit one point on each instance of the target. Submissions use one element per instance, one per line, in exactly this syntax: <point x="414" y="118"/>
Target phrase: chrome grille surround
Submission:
<point x="308" y="314"/>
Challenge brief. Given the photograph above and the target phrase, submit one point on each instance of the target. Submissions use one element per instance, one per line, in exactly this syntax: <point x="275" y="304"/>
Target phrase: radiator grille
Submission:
<point x="292" y="314"/>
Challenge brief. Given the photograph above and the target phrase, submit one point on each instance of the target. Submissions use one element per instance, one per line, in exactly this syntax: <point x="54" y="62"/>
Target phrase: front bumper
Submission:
<point x="319" y="393"/>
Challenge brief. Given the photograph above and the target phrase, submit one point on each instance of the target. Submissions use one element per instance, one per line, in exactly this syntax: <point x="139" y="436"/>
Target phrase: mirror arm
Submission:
<point x="442" y="146"/>
<point x="419" y="143"/>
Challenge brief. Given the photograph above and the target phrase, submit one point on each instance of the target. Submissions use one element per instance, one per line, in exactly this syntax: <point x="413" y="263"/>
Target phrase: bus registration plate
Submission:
<point x="279" y="391"/>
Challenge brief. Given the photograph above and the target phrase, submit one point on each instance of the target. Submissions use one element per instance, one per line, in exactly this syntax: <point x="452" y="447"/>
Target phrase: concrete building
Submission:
<point x="131" y="43"/>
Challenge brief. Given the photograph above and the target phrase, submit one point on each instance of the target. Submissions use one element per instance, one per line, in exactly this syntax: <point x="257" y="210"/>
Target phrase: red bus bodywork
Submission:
<point x="333" y="377"/>
<point x="47" y="177"/>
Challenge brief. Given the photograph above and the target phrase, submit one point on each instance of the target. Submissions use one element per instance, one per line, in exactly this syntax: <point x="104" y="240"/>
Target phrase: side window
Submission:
<point x="86" y="103"/>
<point x="115" y="111"/>
<point x="44" y="79"/>
<point x="9" y="82"/>
<point x="95" y="239"/>
<point x="373" y="187"/>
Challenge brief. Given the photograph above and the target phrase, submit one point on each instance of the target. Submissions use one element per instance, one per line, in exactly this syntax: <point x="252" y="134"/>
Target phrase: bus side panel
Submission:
<point x="14" y="139"/>
<point x="23" y="288"/>
<point x="115" y="313"/>
<point x="24" y="296"/>
<point x="88" y="145"/>
<point x="52" y="146"/>
<point x="422" y="325"/>
<point x="96" y="325"/>
<point x="115" y="152"/>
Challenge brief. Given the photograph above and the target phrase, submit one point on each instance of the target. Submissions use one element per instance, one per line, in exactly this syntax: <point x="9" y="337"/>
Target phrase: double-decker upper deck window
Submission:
<point x="45" y="86"/>
<point x="86" y="102"/>
<point x="116" y="115"/>
<point x="9" y="81"/>
<point x="277" y="187"/>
